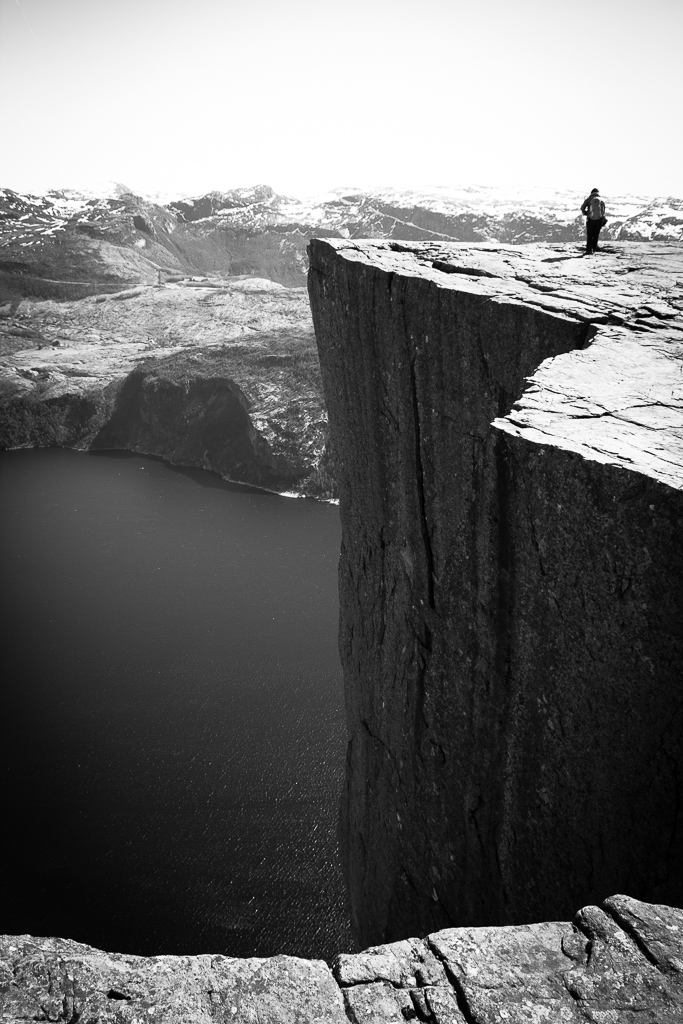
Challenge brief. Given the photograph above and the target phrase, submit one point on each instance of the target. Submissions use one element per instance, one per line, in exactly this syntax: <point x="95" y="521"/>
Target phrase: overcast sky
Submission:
<point x="304" y="95"/>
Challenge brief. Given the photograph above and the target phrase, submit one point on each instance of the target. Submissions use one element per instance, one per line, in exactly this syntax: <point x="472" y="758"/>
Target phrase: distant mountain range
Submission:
<point x="66" y="244"/>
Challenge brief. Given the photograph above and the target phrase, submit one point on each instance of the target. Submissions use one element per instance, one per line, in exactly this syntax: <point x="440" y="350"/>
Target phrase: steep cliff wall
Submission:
<point x="511" y="576"/>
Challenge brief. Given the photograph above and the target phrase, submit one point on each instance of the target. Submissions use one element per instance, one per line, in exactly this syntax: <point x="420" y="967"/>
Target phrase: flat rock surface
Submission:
<point x="97" y="339"/>
<point x="619" y="962"/>
<point x="619" y="399"/>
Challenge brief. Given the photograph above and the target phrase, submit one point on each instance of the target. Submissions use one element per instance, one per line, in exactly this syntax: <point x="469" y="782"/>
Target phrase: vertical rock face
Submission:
<point x="510" y="576"/>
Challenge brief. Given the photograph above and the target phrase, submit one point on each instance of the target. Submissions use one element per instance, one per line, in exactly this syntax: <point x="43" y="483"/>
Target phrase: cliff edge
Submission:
<point x="507" y="427"/>
<point x="619" y="962"/>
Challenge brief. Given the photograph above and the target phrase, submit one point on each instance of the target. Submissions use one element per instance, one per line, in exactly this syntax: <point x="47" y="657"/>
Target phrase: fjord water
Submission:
<point x="173" y="735"/>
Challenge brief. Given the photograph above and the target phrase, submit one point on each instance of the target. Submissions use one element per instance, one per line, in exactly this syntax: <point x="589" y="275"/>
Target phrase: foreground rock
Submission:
<point x="619" y="962"/>
<point x="219" y="375"/>
<point x="508" y="429"/>
<point x="59" y="980"/>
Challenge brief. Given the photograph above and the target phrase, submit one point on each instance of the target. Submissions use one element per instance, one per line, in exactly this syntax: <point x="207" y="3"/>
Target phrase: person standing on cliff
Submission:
<point x="593" y="209"/>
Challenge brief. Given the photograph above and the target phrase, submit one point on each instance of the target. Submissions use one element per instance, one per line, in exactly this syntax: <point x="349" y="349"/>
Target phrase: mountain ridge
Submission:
<point x="68" y="243"/>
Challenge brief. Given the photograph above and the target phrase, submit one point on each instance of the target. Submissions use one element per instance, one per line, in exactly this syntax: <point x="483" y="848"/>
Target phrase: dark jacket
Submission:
<point x="586" y="204"/>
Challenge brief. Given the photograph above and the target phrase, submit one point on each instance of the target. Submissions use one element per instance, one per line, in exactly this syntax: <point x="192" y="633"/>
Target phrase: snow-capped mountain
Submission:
<point x="68" y="242"/>
<point x="476" y="213"/>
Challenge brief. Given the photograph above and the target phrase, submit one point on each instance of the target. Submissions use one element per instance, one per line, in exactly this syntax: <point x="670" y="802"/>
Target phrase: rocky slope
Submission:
<point x="618" y="962"/>
<point x="222" y="375"/>
<point x="508" y="432"/>
<point x="69" y="244"/>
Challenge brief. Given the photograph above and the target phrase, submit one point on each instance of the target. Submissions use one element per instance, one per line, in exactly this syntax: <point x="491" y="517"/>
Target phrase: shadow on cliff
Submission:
<point x="199" y="421"/>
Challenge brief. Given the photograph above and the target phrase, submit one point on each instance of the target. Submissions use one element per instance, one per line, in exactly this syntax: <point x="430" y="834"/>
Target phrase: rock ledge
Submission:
<point x="621" y="961"/>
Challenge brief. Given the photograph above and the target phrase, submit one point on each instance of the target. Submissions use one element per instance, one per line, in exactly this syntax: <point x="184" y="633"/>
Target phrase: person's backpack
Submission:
<point x="595" y="208"/>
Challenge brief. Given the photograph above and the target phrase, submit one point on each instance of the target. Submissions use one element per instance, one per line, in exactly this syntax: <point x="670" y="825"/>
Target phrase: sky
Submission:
<point x="188" y="96"/>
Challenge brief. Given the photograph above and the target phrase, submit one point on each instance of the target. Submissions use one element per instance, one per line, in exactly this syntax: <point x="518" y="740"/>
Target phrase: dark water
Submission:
<point x="172" y="726"/>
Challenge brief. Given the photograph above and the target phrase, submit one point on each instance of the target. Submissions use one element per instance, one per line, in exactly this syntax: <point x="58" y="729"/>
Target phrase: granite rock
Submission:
<point x="617" y="963"/>
<point x="507" y="425"/>
<point x="60" y="980"/>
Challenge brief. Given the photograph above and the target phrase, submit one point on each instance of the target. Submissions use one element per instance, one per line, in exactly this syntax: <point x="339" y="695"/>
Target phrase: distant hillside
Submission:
<point x="66" y="244"/>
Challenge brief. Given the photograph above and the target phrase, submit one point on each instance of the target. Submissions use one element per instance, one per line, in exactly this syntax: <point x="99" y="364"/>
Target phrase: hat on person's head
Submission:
<point x="594" y="191"/>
